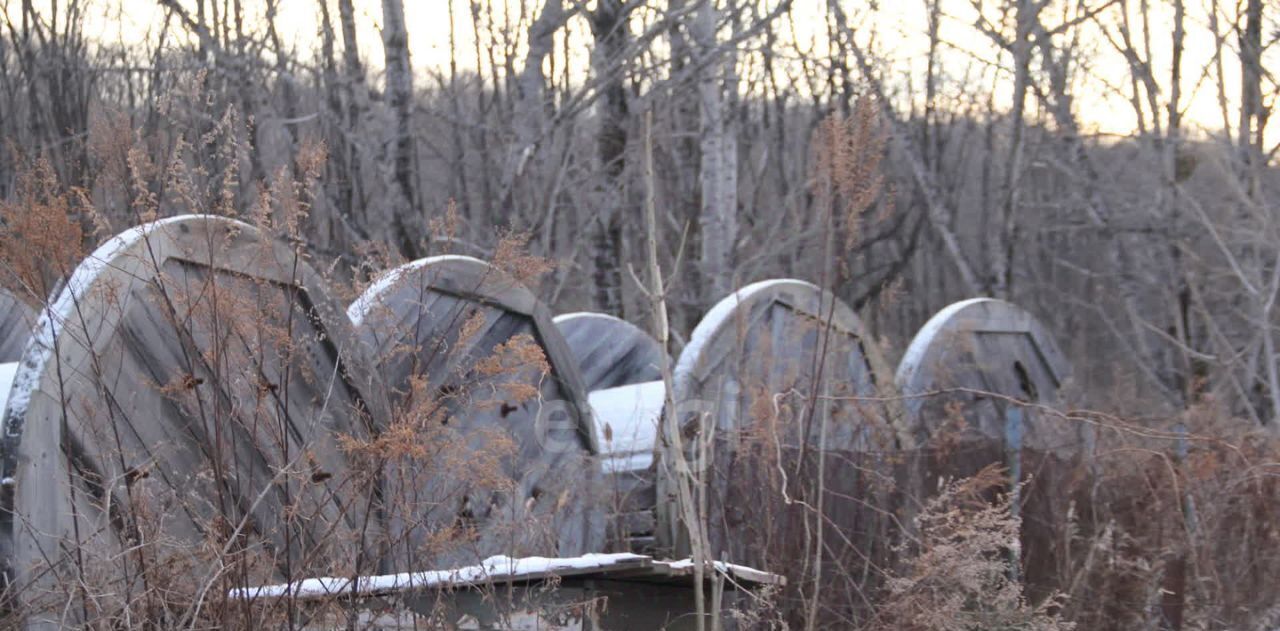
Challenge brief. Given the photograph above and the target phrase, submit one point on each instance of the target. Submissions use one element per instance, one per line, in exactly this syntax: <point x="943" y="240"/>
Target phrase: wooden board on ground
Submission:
<point x="610" y="352"/>
<point x="775" y="375"/>
<point x="980" y="382"/>
<point x="182" y="417"/>
<point x="483" y="380"/>
<point x="16" y="321"/>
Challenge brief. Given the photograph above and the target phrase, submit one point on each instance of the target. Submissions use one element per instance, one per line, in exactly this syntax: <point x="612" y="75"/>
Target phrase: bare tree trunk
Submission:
<point x="609" y="27"/>
<point x="934" y="10"/>
<point x="673" y="456"/>
<point x="458" y="190"/>
<point x="683" y="199"/>
<point x="355" y="96"/>
<point x="1169" y="156"/>
<point x="718" y="216"/>
<point x="1004" y="238"/>
<point x="337" y="164"/>
<point x="487" y="202"/>
<point x="395" y="43"/>
<point x="286" y="79"/>
<point x="1249" y="129"/>
<point x="530" y="97"/>
<point x="1219" y="73"/>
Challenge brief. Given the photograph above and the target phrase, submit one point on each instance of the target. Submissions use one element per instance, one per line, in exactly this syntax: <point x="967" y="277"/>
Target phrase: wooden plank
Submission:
<point x="610" y="352"/>
<point x="768" y="365"/>
<point x="513" y="474"/>
<point x="193" y="379"/>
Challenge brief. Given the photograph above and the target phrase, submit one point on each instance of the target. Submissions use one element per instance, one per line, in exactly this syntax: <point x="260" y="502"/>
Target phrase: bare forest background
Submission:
<point x="1108" y="165"/>
<point x="1154" y="255"/>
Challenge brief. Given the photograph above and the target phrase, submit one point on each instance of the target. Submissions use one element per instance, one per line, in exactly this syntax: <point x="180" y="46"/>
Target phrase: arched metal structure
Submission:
<point x="472" y="352"/>
<point x="189" y="391"/>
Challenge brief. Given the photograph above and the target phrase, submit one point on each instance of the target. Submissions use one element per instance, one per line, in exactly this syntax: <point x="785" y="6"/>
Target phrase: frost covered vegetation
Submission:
<point x="1154" y="257"/>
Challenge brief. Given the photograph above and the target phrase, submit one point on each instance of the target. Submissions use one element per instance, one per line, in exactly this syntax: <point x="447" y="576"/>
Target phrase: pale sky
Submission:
<point x="901" y="37"/>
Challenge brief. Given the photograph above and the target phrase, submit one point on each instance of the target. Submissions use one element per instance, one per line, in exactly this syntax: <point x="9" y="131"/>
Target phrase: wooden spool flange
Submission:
<point x="184" y="398"/>
<point x="452" y="337"/>
<point x="987" y="355"/>
<point x="765" y="372"/>
<point x="981" y="381"/>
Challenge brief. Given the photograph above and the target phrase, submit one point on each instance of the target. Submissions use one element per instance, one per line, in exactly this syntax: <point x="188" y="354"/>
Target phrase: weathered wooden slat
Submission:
<point x="192" y="380"/>
<point x="769" y="368"/>
<point x="16" y="321"/>
<point x="610" y="352"/>
<point x="437" y="323"/>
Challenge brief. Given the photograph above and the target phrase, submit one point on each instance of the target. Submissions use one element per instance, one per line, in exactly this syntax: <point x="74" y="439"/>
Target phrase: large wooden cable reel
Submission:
<point x="980" y="381"/>
<point x="186" y="396"/>
<point x="456" y="340"/>
<point x="762" y="371"/>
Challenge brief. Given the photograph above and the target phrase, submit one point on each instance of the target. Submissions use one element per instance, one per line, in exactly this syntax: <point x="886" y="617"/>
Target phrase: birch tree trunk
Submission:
<point x="1251" y="81"/>
<point x="717" y="217"/>
<point x="395" y="44"/>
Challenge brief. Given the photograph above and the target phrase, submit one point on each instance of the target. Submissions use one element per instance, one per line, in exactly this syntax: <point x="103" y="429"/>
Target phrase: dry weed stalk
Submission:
<point x="961" y="577"/>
